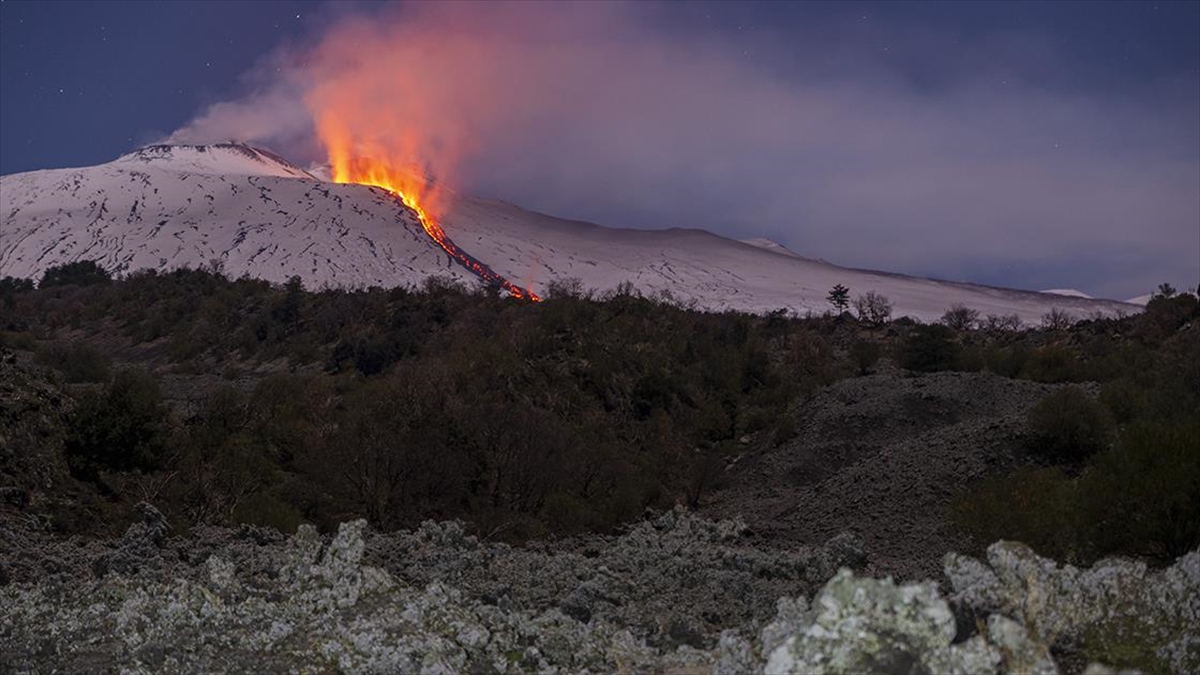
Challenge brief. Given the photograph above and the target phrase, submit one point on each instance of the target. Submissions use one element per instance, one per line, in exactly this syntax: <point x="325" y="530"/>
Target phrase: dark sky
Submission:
<point x="82" y="82"/>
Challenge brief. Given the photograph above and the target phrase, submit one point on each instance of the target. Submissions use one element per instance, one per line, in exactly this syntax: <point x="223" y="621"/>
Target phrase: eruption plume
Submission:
<point x="381" y="124"/>
<point x="634" y="114"/>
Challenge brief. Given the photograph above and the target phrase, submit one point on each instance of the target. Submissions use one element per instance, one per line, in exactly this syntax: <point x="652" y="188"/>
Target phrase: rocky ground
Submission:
<point x="437" y="600"/>
<point x="881" y="457"/>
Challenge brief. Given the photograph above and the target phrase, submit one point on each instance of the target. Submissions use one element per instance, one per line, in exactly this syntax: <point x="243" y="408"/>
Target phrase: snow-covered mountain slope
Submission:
<point x="224" y="159"/>
<point x="717" y="273"/>
<point x="164" y="207"/>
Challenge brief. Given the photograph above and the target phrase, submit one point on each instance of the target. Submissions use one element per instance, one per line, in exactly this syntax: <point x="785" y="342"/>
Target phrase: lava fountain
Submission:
<point x="423" y="196"/>
<point x="415" y="191"/>
<point x="382" y="122"/>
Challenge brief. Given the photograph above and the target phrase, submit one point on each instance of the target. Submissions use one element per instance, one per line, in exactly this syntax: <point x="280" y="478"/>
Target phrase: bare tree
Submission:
<point x="873" y="308"/>
<point x="566" y="287"/>
<point x="1057" y="319"/>
<point x="997" y="323"/>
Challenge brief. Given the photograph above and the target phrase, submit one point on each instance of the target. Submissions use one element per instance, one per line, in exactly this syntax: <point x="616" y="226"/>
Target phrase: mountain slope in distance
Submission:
<point x="714" y="272"/>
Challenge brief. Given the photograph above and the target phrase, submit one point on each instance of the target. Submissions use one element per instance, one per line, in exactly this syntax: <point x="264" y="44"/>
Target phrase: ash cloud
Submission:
<point x="998" y="169"/>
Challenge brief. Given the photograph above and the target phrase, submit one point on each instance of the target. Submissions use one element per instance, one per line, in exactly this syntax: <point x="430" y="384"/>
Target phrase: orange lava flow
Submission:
<point x="416" y="193"/>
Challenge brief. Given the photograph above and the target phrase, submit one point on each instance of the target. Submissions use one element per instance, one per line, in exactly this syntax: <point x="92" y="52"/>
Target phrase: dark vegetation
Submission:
<point x="1118" y="473"/>
<point x="229" y="401"/>
<point x="232" y="400"/>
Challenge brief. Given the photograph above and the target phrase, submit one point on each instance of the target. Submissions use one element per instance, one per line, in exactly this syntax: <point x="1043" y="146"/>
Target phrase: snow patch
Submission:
<point x="1068" y="292"/>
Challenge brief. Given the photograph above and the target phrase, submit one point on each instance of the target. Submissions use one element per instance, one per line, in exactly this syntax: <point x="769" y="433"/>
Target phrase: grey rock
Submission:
<point x="1117" y="602"/>
<point x="231" y="600"/>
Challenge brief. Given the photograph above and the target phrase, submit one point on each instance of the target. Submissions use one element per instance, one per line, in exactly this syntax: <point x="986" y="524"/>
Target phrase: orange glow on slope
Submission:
<point x="418" y="194"/>
<point x="384" y="123"/>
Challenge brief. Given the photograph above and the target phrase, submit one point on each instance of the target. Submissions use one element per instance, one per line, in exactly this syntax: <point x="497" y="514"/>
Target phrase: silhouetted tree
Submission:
<point x="839" y="297"/>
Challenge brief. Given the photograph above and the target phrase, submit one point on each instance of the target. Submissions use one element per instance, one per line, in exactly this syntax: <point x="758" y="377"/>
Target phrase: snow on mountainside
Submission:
<point x="164" y="207"/>
<point x="1069" y="292"/>
<point x="715" y="272"/>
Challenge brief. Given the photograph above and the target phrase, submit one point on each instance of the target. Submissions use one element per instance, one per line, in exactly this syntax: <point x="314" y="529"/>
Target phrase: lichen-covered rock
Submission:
<point x="136" y="548"/>
<point x="1117" y="610"/>
<point x="1018" y="652"/>
<point x="240" y="599"/>
<point x="735" y="655"/>
<point x="791" y="618"/>
<point x="869" y="625"/>
<point x="675" y="579"/>
<point x="318" y="609"/>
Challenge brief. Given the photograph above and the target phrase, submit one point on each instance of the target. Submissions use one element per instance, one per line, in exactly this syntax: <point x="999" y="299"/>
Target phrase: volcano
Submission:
<point x="164" y="207"/>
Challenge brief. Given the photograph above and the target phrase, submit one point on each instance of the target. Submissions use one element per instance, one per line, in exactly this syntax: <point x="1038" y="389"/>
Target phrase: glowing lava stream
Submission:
<point x="437" y="234"/>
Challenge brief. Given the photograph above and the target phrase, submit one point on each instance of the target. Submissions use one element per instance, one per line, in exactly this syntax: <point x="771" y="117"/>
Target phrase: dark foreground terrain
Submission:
<point x="600" y="483"/>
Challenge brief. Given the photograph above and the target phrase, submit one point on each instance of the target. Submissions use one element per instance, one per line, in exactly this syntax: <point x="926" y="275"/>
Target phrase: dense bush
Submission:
<point x="81" y="273"/>
<point x="1165" y="314"/>
<point x="1138" y="495"/>
<point x="1053" y="363"/>
<point x="1067" y="425"/>
<point x="1124" y="399"/>
<point x="864" y="354"/>
<point x="10" y="287"/>
<point x="121" y="428"/>
<point x="1040" y="507"/>
<point x="929" y="348"/>
<point x="77" y="361"/>
<point x="1143" y="495"/>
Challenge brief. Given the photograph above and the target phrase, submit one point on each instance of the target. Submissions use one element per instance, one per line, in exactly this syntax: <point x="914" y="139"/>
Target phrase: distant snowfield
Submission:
<point x="166" y="207"/>
<point x="1069" y="292"/>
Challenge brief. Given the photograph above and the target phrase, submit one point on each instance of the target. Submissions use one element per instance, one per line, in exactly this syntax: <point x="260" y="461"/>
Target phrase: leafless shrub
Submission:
<point x="873" y="308"/>
<point x="997" y="323"/>
<point x="1057" y="319"/>
<point x="561" y="288"/>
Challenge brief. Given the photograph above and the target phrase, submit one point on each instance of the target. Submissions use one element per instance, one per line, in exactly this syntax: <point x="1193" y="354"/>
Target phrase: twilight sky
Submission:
<point x="1019" y="144"/>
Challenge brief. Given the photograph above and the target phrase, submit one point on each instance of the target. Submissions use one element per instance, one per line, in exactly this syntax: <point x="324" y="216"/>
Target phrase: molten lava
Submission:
<point x="418" y="194"/>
